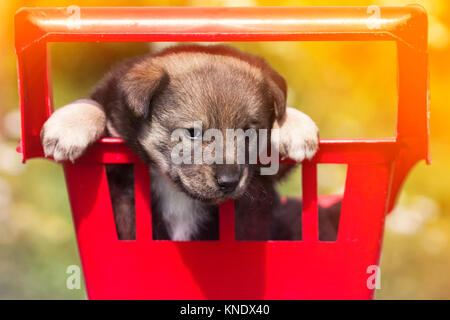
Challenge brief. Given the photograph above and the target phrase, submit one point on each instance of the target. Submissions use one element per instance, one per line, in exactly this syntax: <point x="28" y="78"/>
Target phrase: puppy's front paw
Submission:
<point x="72" y="129"/>
<point x="298" y="136"/>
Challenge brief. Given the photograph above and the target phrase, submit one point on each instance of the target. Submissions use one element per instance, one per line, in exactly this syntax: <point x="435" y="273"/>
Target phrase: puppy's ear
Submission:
<point x="277" y="88"/>
<point x="140" y="85"/>
<point x="278" y="92"/>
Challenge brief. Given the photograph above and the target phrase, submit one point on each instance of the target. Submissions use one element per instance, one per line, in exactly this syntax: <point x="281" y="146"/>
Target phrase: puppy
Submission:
<point x="145" y="99"/>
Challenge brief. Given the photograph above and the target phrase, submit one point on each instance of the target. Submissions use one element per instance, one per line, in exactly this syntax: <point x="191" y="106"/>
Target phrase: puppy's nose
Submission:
<point x="227" y="183"/>
<point x="228" y="177"/>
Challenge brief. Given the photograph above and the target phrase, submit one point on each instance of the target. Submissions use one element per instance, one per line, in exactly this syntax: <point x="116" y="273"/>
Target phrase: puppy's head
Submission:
<point x="190" y="90"/>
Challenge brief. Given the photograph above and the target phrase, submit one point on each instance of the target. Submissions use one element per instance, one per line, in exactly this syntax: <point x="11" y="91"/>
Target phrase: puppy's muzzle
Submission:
<point x="228" y="177"/>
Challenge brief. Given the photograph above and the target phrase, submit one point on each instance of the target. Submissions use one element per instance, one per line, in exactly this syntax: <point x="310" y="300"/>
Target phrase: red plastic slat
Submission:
<point x="142" y="202"/>
<point x="226" y="222"/>
<point x="310" y="219"/>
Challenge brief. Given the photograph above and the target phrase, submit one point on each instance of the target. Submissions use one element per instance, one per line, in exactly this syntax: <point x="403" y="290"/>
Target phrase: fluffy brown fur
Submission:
<point x="146" y="98"/>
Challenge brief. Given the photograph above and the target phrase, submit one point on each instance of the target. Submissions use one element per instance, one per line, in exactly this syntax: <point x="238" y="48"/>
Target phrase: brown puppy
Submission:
<point x="144" y="100"/>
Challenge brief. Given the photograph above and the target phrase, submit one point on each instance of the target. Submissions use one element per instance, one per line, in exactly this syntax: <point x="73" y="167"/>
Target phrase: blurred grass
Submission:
<point x="349" y="89"/>
<point x="37" y="238"/>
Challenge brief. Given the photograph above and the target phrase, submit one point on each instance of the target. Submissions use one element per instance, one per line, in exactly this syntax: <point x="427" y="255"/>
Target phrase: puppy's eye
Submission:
<point x="193" y="133"/>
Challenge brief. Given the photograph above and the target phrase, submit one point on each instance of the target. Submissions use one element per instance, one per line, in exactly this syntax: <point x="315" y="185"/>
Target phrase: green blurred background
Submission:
<point x="349" y="89"/>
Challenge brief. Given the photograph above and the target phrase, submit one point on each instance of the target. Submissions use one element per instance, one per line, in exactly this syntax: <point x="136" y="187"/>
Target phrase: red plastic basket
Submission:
<point x="229" y="269"/>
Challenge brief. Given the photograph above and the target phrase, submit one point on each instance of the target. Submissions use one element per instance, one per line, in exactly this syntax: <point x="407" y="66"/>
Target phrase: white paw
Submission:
<point x="71" y="129"/>
<point x="298" y="136"/>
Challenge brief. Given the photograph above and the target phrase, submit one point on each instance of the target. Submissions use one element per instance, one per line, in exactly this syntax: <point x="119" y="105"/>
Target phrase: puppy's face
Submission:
<point x="189" y="93"/>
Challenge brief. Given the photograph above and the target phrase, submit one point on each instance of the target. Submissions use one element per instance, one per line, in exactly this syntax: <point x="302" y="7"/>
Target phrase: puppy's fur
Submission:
<point x="144" y="99"/>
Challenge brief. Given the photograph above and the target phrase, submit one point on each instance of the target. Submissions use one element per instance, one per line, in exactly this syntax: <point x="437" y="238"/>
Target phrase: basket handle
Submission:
<point x="407" y="26"/>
